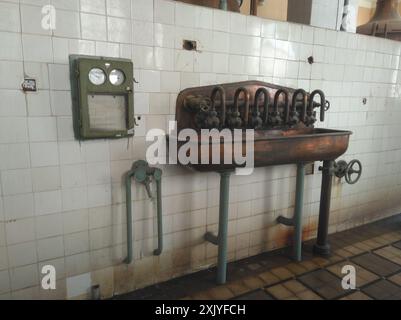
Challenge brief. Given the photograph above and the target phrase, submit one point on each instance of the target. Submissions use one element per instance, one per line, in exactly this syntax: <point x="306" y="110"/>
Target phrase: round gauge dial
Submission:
<point x="117" y="77"/>
<point x="97" y="76"/>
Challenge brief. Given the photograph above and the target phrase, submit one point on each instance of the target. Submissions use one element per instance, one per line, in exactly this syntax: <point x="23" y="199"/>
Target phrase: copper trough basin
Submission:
<point x="273" y="145"/>
<point x="277" y="147"/>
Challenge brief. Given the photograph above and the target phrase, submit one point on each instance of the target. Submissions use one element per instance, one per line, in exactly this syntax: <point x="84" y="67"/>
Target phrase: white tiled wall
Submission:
<point x="62" y="201"/>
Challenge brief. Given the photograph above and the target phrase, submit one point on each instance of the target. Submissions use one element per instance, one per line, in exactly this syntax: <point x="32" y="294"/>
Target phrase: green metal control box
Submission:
<point x="102" y="94"/>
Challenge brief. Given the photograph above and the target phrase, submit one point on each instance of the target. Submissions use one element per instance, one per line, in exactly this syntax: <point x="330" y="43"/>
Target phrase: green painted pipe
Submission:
<point x="296" y="221"/>
<point x="159" y="249"/>
<point x="299" y="203"/>
<point x="223" y="5"/>
<point x="223" y="226"/>
<point x="221" y="239"/>
<point x="128" y="178"/>
<point x="142" y="173"/>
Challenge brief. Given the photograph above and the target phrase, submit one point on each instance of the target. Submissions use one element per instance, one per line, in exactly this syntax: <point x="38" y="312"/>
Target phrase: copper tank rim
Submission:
<point x="306" y="133"/>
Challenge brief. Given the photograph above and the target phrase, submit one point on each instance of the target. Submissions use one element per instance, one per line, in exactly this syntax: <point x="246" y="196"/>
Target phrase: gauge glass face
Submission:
<point x="97" y="76"/>
<point x="117" y="77"/>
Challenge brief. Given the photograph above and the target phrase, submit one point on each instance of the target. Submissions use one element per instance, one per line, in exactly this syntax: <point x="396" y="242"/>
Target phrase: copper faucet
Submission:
<point x="256" y="121"/>
<point x="294" y="117"/>
<point x="213" y="113"/>
<point x="275" y="118"/>
<point x="322" y="105"/>
<point x="235" y="120"/>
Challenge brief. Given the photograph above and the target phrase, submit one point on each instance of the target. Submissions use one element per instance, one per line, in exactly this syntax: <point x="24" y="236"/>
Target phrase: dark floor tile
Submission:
<point x="357" y="296"/>
<point x="324" y="283"/>
<point x="376" y="264"/>
<point x="383" y="290"/>
<point x="397" y="245"/>
<point x="396" y="279"/>
<point x="254" y="266"/>
<point x="255" y="295"/>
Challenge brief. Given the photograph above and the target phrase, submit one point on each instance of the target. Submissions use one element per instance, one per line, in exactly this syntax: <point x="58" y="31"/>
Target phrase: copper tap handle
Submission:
<point x="219" y="90"/>
<point x="266" y="102"/>
<point x="247" y="98"/>
<point x="286" y="101"/>
<point x="322" y="102"/>
<point x="304" y="102"/>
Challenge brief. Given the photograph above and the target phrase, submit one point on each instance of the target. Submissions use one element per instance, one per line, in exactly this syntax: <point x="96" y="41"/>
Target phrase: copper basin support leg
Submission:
<point x="299" y="205"/>
<point x="322" y="246"/>
<point x="221" y="239"/>
<point x="296" y="221"/>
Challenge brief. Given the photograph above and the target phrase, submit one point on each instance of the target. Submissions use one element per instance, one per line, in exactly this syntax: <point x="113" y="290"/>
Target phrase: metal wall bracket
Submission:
<point x="285" y="221"/>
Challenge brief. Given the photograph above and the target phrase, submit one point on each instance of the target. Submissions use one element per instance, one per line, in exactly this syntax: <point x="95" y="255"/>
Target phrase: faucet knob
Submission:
<point x="310" y="119"/>
<point x="235" y="120"/>
<point x="212" y="121"/>
<point x="294" y="118"/>
<point x="256" y="121"/>
<point x="275" y="119"/>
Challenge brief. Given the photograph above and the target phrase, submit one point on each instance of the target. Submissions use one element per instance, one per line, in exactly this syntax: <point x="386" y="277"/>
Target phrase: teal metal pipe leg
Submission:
<point x="159" y="249"/>
<point x="223" y="226"/>
<point x="299" y="203"/>
<point x="128" y="178"/>
<point x="223" y="5"/>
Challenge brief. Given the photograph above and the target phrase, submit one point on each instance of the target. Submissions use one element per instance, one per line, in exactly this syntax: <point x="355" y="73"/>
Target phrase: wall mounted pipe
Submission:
<point x="143" y="174"/>
<point x="296" y="221"/>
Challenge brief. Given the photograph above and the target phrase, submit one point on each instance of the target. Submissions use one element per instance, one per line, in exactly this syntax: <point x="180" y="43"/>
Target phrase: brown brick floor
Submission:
<point x="374" y="250"/>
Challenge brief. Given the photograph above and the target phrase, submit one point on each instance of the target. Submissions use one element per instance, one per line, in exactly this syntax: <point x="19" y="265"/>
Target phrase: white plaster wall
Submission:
<point x="62" y="201"/>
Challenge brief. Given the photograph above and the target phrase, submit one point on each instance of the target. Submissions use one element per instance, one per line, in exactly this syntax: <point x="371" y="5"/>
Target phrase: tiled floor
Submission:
<point x="374" y="251"/>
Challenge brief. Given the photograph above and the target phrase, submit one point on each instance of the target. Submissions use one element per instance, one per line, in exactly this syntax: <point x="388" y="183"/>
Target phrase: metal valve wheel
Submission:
<point x="348" y="170"/>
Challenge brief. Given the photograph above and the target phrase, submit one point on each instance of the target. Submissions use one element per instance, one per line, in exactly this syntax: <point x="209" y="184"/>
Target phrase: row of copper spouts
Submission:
<point x="291" y="115"/>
